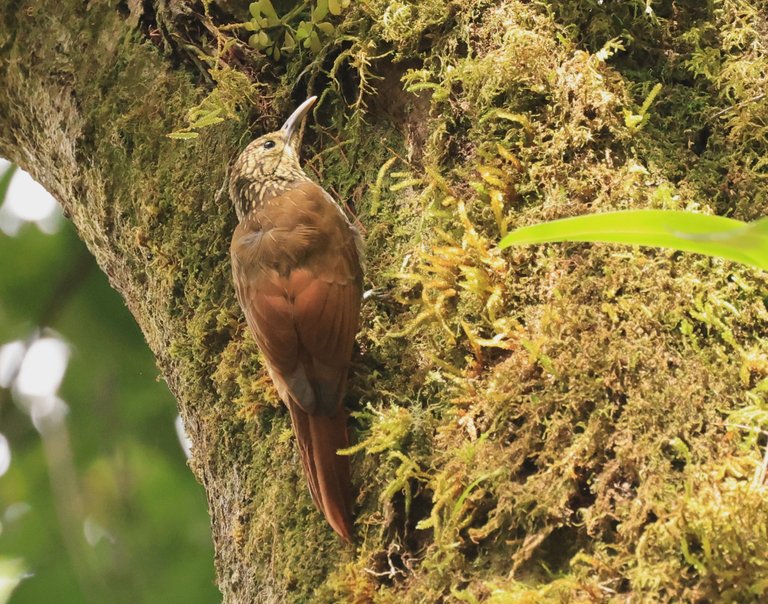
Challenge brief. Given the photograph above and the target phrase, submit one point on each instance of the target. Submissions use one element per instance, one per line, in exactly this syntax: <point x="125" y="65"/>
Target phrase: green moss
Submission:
<point x="571" y="404"/>
<point x="544" y="424"/>
<point x="543" y="440"/>
<point x="708" y="541"/>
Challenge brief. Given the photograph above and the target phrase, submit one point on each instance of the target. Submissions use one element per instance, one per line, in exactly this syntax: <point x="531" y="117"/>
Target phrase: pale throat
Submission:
<point x="250" y="194"/>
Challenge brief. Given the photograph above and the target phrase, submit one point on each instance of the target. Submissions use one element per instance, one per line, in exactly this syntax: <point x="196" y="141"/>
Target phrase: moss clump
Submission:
<point x="708" y="541"/>
<point x="557" y="430"/>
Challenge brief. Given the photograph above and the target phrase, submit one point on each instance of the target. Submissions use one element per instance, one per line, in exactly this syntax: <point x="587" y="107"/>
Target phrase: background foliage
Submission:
<point x="143" y="533"/>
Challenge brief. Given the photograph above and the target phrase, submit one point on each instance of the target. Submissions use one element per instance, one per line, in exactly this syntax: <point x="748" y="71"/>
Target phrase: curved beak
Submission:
<point x="291" y="125"/>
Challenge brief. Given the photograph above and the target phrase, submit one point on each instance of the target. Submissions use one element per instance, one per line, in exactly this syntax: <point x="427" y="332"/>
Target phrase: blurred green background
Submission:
<point x="99" y="506"/>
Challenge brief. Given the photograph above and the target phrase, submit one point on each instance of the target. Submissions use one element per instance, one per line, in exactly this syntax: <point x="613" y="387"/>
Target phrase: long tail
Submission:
<point x="319" y="437"/>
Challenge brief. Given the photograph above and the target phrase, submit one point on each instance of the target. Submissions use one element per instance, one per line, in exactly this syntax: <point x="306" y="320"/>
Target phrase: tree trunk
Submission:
<point x="85" y="107"/>
<point x="567" y="408"/>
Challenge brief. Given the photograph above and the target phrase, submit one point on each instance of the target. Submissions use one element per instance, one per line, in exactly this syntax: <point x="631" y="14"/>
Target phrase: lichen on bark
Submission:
<point x="561" y="423"/>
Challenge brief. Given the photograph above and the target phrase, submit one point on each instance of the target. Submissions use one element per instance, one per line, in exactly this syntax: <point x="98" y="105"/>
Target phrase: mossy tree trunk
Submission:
<point x="578" y="408"/>
<point x="86" y="101"/>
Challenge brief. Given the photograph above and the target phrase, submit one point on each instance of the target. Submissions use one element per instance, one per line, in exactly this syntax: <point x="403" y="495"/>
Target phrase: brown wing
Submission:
<point x="297" y="269"/>
<point x="297" y="265"/>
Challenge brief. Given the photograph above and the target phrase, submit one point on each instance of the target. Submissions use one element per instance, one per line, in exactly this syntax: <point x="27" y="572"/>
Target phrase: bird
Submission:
<point x="297" y="266"/>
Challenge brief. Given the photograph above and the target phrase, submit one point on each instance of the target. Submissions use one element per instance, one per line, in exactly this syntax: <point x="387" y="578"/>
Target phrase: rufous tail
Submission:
<point x="328" y="476"/>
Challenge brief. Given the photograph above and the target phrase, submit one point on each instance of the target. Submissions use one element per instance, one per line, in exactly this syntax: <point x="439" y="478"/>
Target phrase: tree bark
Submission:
<point x="85" y="107"/>
<point x="563" y="409"/>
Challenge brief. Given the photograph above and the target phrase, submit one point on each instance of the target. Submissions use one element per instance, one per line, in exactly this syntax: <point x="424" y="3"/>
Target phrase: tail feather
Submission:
<point x="328" y="476"/>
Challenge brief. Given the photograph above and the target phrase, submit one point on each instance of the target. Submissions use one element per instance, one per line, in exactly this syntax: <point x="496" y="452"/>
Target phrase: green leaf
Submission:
<point x="255" y="10"/>
<point x="303" y="30"/>
<point x="632" y="120"/>
<point x="210" y="118"/>
<point x="288" y="42"/>
<point x="5" y="180"/>
<point x="314" y="42"/>
<point x="636" y="121"/>
<point x="334" y="6"/>
<point x="259" y="40"/>
<point x="267" y="8"/>
<point x="321" y="11"/>
<point x="326" y="28"/>
<point x="717" y="236"/>
<point x="183" y="135"/>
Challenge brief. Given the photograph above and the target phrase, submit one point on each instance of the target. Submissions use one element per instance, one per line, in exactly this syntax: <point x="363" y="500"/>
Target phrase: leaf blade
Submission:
<point x="717" y="236"/>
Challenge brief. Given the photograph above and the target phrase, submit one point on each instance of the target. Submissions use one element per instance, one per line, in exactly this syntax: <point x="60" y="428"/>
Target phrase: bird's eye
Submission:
<point x="269" y="144"/>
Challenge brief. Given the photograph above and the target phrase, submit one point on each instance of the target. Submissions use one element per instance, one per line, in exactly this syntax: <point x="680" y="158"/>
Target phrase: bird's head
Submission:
<point x="268" y="164"/>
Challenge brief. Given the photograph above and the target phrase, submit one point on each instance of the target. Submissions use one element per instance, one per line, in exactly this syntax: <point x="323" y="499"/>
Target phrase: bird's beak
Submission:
<point x="291" y="125"/>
